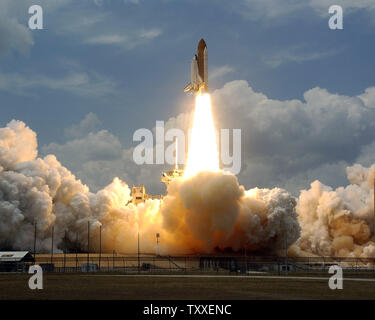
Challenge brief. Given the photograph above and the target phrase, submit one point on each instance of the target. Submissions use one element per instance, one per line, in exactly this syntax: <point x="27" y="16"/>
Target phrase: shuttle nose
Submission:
<point x="201" y="45"/>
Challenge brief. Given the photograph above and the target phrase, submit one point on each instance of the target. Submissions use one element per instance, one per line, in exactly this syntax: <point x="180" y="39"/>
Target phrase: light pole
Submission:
<point x="34" y="241"/>
<point x="76" y="251"/>
<point x="100" y="245"/>
<point x="88" y="243"/>
<point x="65" y="248"/>
<point x="138" y="255"/>
<point x="157" y="244"/>
<point x="246" y="256"/>
<point x="52" y="245"/>
<point x="286" y="251"/>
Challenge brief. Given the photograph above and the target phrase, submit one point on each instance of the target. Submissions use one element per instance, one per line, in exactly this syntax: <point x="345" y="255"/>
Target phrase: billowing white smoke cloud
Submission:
<point x="206" y="213"/>
<point x="211" y="211"/>
<point x="339" y="222"/>
<point x="41" y="191"/>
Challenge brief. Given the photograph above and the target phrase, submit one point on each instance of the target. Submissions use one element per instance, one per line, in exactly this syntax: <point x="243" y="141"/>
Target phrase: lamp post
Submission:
<point x="157" y="244"/>
<point x="76" y="251"/>
<point x="52" y="245"/>
<point x="286" y="251"/>
<point x="88" y="243"/>
<point x="139" y="263"/>
<point x="34" y="241"/>
<point x="100" y="245"/>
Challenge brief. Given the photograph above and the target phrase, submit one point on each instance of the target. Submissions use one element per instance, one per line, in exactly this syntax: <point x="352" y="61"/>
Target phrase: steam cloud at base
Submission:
<point x="206" y="213"/>
<point x="339" y="222"/>
<point x="211" y="211"/>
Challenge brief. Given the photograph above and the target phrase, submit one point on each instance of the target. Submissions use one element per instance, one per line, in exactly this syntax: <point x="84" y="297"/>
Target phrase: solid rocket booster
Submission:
<point x="198" y="71"/>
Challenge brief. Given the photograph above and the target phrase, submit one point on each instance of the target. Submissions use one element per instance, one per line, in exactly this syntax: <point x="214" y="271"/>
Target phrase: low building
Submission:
<point x="89" y="267"/>
<point x="15" y="261"/>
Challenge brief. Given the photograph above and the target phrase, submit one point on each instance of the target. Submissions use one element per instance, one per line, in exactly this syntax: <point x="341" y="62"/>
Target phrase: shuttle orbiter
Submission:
<point x="198" y="70"/>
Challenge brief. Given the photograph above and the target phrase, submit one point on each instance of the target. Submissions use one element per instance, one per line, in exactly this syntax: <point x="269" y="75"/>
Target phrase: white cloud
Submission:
<point x="14" y="32"/>
<point x="72" y="25"/>
<point x="368" y="97"/>
<point x="89" y="124"/>
<point x="128" y="40"/>
<point x="260" y="9"/>
<point x="84" y="24"/>
<point x="93" y="158"/>
<point x="296" y="54"/>
<point x="220" y="72"/>
<point x="367" y="155"/>
<point x="89" y="26"/>
<point x="95" y="146"/>
<point x="294" y="140"/>
<point x="107" y="39"/>
<point x="349" y="6"/>
<point x="271" y="9"/>
<point x="96" y="157"/>
<point x="78" y="83"/>
<point x="13" y="35"/>
<point x="132" y="1"/>
<point x="284" y="143"/>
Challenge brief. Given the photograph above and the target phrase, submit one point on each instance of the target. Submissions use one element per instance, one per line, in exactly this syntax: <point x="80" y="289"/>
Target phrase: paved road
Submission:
<point x="223" y="276"/>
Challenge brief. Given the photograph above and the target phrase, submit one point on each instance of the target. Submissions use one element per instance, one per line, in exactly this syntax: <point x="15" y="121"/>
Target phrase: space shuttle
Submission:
<point x="198" y="71"/>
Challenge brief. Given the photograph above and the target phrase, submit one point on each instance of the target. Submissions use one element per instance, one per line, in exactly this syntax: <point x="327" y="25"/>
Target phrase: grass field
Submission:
<point x="154" y="287"/>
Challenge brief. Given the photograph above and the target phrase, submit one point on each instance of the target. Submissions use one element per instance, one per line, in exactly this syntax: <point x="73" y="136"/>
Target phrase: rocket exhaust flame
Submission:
<point x="202" y="154"/>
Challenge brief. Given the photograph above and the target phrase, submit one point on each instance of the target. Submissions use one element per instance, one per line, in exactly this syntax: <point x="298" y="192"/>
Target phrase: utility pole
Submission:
<point x="34" y="241"/>
<point x="157" y="244"/>
<point x="138" y="255"/>
<point x="52" y="245"/>
<point x="286" y="251"/>
<point x="246" y="257"/>
<point x="88" y="243"/>
<point x="100" y="245"/>
<point x="76" y="251"/>
<point x="65" y="248"/>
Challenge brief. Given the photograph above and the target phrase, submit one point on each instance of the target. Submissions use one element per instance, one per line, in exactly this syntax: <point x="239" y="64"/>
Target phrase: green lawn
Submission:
<point x="106" y="286"/>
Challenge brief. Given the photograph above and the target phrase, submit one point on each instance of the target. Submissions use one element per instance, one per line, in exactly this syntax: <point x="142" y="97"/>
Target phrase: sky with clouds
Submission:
<point x="302" y="94"/>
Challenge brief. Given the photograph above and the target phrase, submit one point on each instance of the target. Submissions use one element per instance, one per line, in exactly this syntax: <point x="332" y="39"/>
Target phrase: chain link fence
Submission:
<point x="158" y="264"/>
<point x="231" y="264"/>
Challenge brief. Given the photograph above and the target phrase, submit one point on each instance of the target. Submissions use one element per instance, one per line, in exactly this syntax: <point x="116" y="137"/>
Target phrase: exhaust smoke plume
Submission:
<point x="339" y="222"/>
<point x="206" y="213"/>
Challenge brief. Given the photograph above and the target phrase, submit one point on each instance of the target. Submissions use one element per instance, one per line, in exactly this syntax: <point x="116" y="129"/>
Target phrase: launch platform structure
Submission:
<point x="172" y="175"/>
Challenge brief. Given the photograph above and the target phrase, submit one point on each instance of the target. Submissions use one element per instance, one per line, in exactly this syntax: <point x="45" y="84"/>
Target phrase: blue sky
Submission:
<point x="122" y="65"/>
